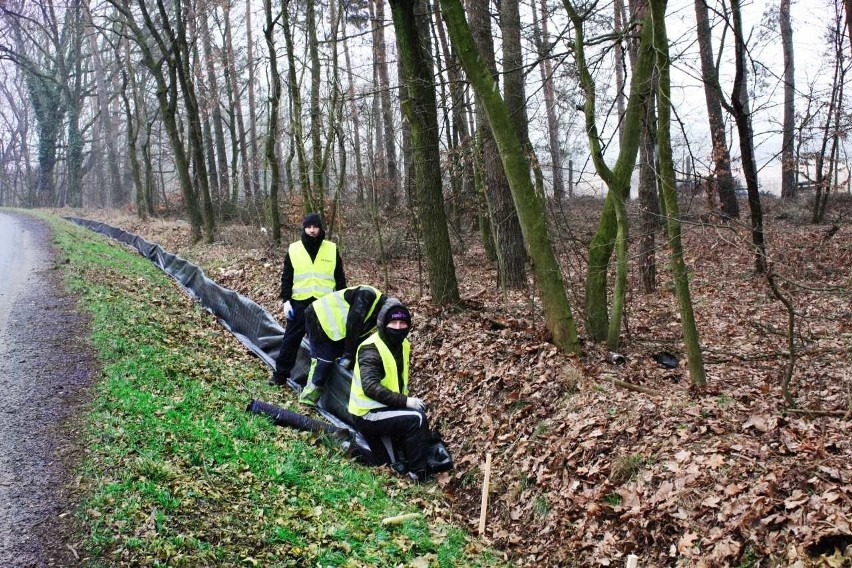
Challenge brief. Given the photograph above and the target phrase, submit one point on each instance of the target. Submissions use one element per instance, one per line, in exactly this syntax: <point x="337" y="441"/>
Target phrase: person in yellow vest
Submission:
<point x="336" y="324"/>
<point x="379" y="398"/>
<point x="312" y="269"/>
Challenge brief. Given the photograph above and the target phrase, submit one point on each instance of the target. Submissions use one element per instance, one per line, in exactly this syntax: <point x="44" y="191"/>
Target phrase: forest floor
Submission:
<point x="585" y="471"/>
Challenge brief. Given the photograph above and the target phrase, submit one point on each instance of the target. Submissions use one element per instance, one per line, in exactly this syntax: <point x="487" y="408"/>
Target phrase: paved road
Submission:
<point x="45" y="366"/>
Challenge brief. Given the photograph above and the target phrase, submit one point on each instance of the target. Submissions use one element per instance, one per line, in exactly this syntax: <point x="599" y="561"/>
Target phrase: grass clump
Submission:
<point x="178" y="474"/>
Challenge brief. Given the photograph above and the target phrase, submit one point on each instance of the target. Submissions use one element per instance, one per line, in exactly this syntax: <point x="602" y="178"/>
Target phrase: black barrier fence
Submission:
<point x="252" y="325"/>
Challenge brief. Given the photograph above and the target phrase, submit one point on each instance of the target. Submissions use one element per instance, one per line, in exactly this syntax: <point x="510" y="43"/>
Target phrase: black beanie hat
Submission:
<point x="312" y="219"/>
<point x="398" y="313"/>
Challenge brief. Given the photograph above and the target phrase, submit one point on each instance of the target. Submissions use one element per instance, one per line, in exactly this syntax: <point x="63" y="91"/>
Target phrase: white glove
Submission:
<point x="288" y="310"/>
<point x="415" y="403"/>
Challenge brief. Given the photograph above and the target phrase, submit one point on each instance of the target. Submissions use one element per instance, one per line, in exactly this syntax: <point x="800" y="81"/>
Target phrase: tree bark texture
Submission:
<point x="543" y="44"/>
<point x="420" y="108"/>
<point x="723" y="178"/>
<point x="505" y="226"/>
<point x="789" y="162"/>
<point x="742" y="116"/>
<point x="391" y="185"/>
<point x="667" y="179"/>
<point x="272" y="159"/>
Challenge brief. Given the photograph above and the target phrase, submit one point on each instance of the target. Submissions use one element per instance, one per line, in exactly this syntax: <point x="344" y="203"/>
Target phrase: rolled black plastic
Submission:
<point x="284" y="417"/>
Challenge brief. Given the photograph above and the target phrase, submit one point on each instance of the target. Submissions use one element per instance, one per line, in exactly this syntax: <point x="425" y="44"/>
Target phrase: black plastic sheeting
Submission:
<point x="252" y="325"/>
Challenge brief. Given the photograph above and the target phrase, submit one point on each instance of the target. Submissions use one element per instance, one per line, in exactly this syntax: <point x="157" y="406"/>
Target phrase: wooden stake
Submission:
<point x="483" y="512"/>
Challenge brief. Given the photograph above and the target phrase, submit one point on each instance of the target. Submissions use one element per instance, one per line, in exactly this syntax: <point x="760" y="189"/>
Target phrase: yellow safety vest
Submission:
<point x="333" y="309"/>
<point x="312" y="279"/>
<point x="359" y="403"/>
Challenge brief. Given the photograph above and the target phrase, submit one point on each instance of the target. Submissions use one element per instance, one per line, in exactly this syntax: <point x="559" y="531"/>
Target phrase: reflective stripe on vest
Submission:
<point x="359" y="403"/>
<point x="333" y="309"/>
<point x="312" y="279"/>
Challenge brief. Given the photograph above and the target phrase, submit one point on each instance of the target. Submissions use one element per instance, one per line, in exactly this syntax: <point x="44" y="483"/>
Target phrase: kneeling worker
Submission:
<point x="336" y="324"/>
<point x="379" y="398"/>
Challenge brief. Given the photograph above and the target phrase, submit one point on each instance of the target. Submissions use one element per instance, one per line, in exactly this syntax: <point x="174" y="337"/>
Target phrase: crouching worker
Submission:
<point x="336" y="324"/>
<point x="379" y="398"/>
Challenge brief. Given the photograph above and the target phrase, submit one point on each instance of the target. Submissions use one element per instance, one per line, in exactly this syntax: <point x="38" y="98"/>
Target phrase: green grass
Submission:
<point x="178" y="474"/>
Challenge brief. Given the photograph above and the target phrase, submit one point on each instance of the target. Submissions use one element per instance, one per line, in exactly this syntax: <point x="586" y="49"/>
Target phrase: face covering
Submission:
<point x="394" y="337"/>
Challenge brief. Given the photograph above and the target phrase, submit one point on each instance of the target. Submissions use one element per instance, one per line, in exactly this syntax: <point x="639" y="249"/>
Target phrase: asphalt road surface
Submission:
<point x="45" y="368"/>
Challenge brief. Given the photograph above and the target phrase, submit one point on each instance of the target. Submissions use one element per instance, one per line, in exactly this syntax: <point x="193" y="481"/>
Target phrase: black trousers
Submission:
<point x="324" y="350"/>
<point x="293" y="334"/>
<point x="409" y="430"/>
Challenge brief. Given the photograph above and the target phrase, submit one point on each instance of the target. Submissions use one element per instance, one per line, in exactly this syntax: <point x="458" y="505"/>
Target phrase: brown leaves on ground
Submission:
<point x="586" y="472"/>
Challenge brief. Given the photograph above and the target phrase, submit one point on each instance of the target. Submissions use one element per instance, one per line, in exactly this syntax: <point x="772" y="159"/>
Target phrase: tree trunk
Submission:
<point x="391" y="188"/>
<point x="617" y="179"/>
<point x="238" y="124"/>
<point x="530" y="208"/>
<point x="412" y="34"/>
<point x="543" y="45"/>
<point x="742" y="116"/>
<point x="648" y="199"/>
<point x="296" y="108"/>
<point x="356" y="125"/>
<point x="724" y="179"/>
<point x="504" y="223"/>
<point x="272" y="135"/>
<point x="213" y="89"/>
<point x="316" y="201"/>
<point x="250" y="63"/>
<point x="620" y="64"/>
<point x="789" y="163"/>
<point x="667" y="178"/>
<point x="105" y="120"/>
<point x="193" y="113"/>
<point x="167" y="97"/>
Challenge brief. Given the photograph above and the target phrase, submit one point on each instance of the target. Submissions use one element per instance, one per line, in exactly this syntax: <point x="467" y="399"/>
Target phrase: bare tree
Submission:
<point x="789" y="163"/>
<point x="504" y="224"/>
<point x="739" y="108"/>
<point x="679" y="273"/>
<point x="413" y="42"/>
<point x="723" y="178"/>
<point x="272" y="135"/>
<point x="543" y="48"/>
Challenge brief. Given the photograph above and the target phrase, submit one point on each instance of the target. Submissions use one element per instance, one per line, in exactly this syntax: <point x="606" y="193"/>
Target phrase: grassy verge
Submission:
<point x="177" y="473"/>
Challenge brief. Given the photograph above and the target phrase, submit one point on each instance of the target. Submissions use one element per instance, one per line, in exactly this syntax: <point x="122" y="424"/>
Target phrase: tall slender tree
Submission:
<point x="410" y="19"/>
<point x="504" y="223"/>
<point x="612" y="228"/>
<point x="667" y="179"/>
<point x="789" y="164"/>
<point x="723" y="178"/>
<point x="543" y="47"/>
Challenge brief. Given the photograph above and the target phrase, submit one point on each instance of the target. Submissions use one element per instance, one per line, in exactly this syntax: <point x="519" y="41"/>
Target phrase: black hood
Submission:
<point x="391" y="305"/>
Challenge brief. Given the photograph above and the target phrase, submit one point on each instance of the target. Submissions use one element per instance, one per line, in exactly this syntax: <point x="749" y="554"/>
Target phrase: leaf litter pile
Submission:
<point x="583" y="469"/>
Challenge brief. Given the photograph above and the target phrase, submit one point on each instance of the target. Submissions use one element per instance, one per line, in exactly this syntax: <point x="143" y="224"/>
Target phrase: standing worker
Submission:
<point x="312" y="269"/>
<point x="337" y="323"/>
<point x="379" y="398"/>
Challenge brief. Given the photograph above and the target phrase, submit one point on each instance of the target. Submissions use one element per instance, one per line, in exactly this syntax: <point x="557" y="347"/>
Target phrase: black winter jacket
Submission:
<point x="373" y="371"/>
